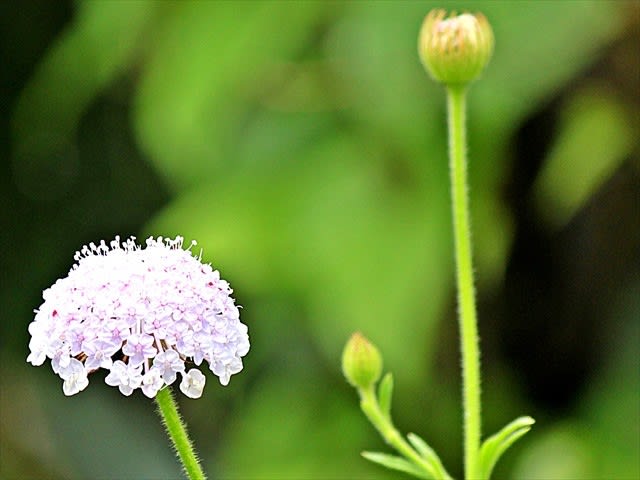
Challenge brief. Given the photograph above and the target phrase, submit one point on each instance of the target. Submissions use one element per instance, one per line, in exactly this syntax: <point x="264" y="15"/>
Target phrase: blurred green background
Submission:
<point x="303" y="146"/>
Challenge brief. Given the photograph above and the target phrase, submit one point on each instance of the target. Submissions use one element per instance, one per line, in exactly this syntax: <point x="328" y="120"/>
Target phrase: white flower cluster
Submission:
<point x="141" y="314"/>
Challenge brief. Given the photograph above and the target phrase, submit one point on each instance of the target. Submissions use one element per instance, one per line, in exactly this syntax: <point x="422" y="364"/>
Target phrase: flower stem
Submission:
<point x="456" y="103"/>
<point x="173" y="423"/>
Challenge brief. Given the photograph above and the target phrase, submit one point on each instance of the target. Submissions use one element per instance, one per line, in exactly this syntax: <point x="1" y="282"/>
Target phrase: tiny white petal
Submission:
<point x="192" y="383"/>
<point x="75" y="378"/>
<point x="152" y="382"/>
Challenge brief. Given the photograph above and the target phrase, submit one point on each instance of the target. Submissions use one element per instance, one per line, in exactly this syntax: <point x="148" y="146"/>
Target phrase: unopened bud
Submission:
<point x="361" y="362"/>
<point x="455" y="50"/>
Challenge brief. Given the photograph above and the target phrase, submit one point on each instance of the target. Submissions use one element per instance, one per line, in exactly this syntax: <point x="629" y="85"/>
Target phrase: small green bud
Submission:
<point x="455" y="50"/>
<point x="361" y="362"/>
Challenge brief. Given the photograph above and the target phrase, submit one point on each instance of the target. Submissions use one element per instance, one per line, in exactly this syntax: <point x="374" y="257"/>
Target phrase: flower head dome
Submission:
<point x="143" y="314"/>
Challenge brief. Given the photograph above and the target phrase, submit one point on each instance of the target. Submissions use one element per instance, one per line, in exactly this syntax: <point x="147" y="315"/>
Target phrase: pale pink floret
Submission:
<point x="139" y="347"/>
<point x="124" y="376"/>
<point x="168" y="365"/>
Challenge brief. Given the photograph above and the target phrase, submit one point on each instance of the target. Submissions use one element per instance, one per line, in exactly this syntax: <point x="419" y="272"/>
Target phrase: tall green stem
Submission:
<point x="456" y="102"/>
<point x="168" y="410"/>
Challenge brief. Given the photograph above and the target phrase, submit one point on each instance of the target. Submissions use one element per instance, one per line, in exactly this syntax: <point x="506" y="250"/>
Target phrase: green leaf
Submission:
<point x="395" y="463"/>
<point x="494" y="446"/>
<point x="595" y="132"/>
<point x="429" y="455"/>
<point x="178" y="95"/>
<point x="385" y="392"/>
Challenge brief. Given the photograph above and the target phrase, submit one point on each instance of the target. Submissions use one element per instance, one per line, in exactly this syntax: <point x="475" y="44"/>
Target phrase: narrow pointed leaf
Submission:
<point x="429" y="455"/>
<point x="422" y="447"/>
<point x="385" y="391"/>
<point x="394" y="462"/>
<point x="494" y="446"/>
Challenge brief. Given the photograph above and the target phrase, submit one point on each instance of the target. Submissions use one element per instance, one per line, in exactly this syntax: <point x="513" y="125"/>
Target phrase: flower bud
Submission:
<point x="455" y="50"/>
<point x="361" y="362"/>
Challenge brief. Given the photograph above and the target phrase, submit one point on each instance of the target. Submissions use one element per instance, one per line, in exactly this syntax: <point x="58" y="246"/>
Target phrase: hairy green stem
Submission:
<point x="168" y="411"/>
<point x="456" y="102"/>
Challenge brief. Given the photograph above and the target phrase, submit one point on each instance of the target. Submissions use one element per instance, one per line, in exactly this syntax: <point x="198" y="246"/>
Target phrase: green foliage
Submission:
<point x="429" y="455"/>
<point x="493" y="447"/>
<point x="594" y="130"/>
<point x="420" y="459"/>
<point x="394" y="462"/>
